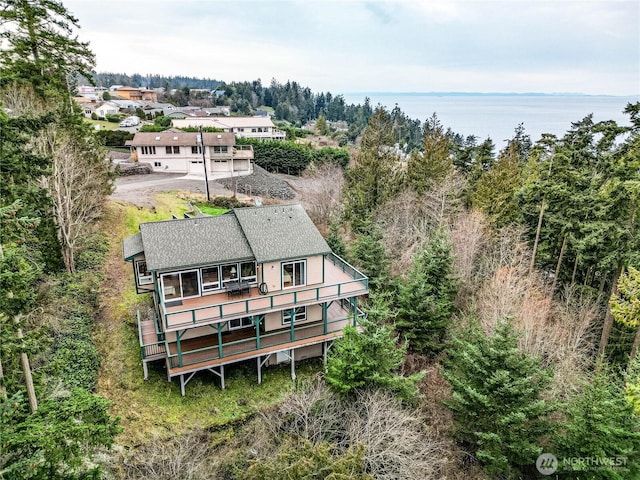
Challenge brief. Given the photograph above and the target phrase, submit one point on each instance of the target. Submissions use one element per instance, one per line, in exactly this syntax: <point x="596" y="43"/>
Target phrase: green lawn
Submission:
<point x="103" y="124"/>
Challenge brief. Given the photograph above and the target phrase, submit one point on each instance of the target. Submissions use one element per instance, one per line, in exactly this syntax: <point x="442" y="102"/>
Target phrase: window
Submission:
<point x="240" y="323"/>
<point x="148" y="150"/>
<point x="293" y="274"/>
<point x="229" y="273"/>
<point x="180" y="285"/>
<point x="172" y="149"/>
<point x="157" y="164"/>
<point x="254" y="130"/>
<point x="248" y="272"/>
<point x="210" y="278"/>
<point x="300" y="315"/>
<point x="197" y="149"/>
<point x="144" y="276"/>
<point x="220" y="149"/>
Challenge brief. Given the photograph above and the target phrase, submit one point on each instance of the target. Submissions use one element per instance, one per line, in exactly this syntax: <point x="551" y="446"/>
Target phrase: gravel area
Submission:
<point x="260" y="183"/>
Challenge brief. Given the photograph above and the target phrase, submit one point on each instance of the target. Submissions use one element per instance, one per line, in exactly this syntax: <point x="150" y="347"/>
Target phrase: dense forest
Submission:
<point x="503" y="320"/>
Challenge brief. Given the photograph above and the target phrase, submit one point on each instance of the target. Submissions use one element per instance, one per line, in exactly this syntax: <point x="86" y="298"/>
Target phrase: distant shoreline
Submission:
<point x="486" y="94"/>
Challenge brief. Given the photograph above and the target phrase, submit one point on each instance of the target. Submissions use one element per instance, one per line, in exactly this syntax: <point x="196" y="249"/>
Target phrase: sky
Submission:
<point x="346" y="46"/>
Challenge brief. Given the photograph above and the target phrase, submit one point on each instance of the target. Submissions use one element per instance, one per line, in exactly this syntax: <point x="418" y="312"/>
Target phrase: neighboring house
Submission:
<point x="180" y="152"/>
<point x="243" y="127"/>
<point x="105" y="109"/>
<point x="87" y="105"/>
<point x="140" y="94"/>
<point x="256" y="283"/>
<point x="126" y="104"/>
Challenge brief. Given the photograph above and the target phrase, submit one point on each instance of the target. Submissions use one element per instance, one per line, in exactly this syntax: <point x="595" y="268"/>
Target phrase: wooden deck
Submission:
<point x="252" y="354"/>
<point x="209" y="309"/>
<point x="204" y="352"/>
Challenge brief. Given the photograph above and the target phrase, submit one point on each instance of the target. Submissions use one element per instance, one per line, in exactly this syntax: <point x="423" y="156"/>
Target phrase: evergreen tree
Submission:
<point x="40" y="48"/>
<point x="435" y="162"/>
<point x="425" y="296"/>
<point x="335" y="241"/>
<point x="496" y="402"/>
<point x="321" y="125"/>
<point x="370" y="256"/>
<point x="374" y="177"/>
<point x="495" y="191"/>
<point x="370" y="358"/>
<point x="53" y="442"/>
<point x="601" y="427"/>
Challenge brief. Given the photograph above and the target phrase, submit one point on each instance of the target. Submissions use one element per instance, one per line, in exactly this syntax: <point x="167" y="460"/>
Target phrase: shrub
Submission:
<point x="227" y="202"/>
<point x="76" y="361"/>
<point x="114" y="118"/>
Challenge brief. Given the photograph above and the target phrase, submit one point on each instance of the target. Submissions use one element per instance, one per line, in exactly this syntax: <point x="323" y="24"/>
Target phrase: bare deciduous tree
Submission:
<point x="397" y="442"/>
<point x="407" y="219"/>
<point x="78" y="185"/>
<point x="322" y="194"/>
<point x="181" y="456"/>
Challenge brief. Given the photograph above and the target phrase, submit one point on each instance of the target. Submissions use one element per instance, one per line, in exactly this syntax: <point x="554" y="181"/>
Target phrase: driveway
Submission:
<point x="140" y="189"/>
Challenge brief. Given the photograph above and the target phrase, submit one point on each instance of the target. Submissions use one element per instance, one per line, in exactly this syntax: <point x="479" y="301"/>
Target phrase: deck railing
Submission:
<point x="277" y="301"/>
<point x="149" y="349"/>
<point x="249" y="344"/>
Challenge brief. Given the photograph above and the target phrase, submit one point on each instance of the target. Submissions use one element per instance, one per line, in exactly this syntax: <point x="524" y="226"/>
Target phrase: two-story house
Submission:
<point x="256" y="283"/>
<point x="182" y="152"/>
<point x="258" y="127"/>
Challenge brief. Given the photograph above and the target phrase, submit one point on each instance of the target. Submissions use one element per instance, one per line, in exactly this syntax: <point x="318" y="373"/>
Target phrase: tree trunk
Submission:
<point x="535" y="243"/>
<point x="608" y="319"/>
<point x="3" y="390"/>
<point x="26" y="368"/>
<point x="634" y="347"/>
<point x="575" y="269"/>
<point x="555" y="277"/>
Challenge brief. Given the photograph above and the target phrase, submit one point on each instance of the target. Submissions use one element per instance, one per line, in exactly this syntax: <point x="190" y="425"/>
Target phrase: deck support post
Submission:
<point x="256" y="322"/>
<point x="178" y="337"/>
<point x="293" y="332"/>
<point x="325" y="308"/>
<point x="145" y="370"/>
<point x="220" y="326"/>
<point x="324" y="353"/>
<point x="259" y="370"/>
<point x="292" y="355"/>
<point x="261" y="363"/>
<point x="355" y="311"/>
<point x="222" y="377"/>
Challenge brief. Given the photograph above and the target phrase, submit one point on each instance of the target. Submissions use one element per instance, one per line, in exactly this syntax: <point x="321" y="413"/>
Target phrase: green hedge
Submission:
<point x="292" y="158"/>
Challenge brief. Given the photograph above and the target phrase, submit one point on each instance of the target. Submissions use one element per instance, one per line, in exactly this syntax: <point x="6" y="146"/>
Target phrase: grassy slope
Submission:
<point x="156" y="406"/>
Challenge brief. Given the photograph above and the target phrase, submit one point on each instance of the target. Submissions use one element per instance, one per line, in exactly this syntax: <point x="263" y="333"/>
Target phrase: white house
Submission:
<point x="181" y="152"/>
<point x="243" y="127"/>
<point x="105" y="109"/>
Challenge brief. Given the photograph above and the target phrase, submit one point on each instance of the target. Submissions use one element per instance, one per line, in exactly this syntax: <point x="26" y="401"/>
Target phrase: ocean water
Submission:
<point x="497" y="116"/>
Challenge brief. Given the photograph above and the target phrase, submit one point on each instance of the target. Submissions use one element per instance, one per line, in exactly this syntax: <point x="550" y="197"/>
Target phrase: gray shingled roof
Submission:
<point x="178" y="137"/>
<point x="264" y="233"/>
<point x="132" y="246"/>
<point x="280" y="232"/>
<point x="193" y="241"/>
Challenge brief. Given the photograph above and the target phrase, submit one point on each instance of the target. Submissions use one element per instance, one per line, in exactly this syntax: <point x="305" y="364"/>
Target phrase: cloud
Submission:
<point x="518" y="45"/>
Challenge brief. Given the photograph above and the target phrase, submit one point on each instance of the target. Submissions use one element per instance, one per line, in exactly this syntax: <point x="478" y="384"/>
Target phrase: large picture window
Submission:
<point x="210" y="278"/>
<point x="180" y="285"/>
<point x="294" y="274"/>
